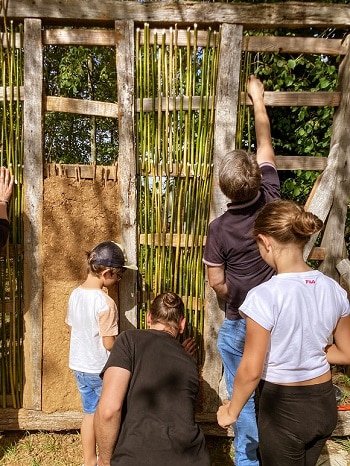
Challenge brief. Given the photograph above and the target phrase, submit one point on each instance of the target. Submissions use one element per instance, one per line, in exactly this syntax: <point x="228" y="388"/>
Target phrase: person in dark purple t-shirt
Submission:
<point x="233" y="261"/>
<point x="6" y="185"/>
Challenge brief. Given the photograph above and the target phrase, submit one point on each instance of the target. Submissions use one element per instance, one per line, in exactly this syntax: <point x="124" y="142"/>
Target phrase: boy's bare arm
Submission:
<point x="108" y="342"/>
<point x="264" y="152"/>
<point x="217" y="280"/>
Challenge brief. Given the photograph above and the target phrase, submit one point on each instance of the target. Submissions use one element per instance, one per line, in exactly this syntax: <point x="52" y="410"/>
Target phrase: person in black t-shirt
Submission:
<point x="145" y="415"/>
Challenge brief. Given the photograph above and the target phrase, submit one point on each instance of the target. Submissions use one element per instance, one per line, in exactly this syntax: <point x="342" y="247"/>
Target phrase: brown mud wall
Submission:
<point x="78" y="214"/>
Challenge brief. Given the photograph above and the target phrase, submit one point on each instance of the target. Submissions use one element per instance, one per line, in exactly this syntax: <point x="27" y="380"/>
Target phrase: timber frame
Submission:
<point x="328" y="200"/>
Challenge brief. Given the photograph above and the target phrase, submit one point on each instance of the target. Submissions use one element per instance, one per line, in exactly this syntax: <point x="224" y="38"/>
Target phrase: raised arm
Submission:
<point x="264" y="152"/>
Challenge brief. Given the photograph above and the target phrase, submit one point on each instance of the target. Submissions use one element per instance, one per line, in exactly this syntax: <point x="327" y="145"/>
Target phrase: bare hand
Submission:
<point x="190" y="345"/>
<point x="223" y="417"/>
<point x="6" y="184"/>
<point x="255" y="88"/>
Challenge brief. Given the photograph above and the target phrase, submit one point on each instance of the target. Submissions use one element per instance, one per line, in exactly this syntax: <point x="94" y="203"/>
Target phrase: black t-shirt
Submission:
<point x="4" y="231"/>
<point x="230" y="242"/>
<point x="158" y="426"/>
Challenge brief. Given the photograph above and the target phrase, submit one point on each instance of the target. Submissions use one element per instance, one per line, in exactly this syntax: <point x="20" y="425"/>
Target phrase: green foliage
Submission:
<point x="84" y="73"/>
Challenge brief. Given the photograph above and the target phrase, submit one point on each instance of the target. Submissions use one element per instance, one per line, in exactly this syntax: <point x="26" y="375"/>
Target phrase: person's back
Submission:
<point x="159" y="426"/>
<point x="231" y="255"/>
<point x="146" y="413"/>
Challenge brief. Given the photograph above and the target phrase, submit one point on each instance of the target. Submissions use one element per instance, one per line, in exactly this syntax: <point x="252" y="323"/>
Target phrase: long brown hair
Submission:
<point x="287" y="222"/>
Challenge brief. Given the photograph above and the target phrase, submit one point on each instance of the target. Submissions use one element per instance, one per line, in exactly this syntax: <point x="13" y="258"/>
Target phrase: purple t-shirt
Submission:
<point x="230" y="242"/>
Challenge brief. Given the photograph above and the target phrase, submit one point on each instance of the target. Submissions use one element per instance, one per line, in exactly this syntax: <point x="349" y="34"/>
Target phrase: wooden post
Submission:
<point x="333" y="238"/>
<point x="127" y="167"/>
<point x="225" y="131"/>
<point x="33" y="211"/>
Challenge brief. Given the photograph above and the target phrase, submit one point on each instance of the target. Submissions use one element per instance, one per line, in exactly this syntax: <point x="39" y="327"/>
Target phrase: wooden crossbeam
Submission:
<point x="255" y="16"/>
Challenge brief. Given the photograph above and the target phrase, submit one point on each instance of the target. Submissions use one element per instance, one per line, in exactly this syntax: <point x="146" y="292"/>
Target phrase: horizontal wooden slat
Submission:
<point x="96" y="12"/>
<point x="299" y="99"/>
<point x="14" y="40"/>
<point x="109" y="109"/>
<point x="87" y="37"/>
<point x="15" y="93"/>
<point x="297" y="162"/>
<point x="291" y="44"/>
<point x="183" y="240"/>
<point x="80" y="106"/>
<point x="25" y="419"/>
<point x="165" y="239"/>
<point x="80" y="172"/>
<point x="272" y="99"/>
<point x="317" y="253"/>
<point x="180" y="37"/>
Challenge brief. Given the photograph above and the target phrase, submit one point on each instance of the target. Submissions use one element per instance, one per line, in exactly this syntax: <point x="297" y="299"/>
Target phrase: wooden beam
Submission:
<point x="33" y="213"/>
<point x="180" y="37"/>
<point x="333" y="236"/>
<point x="256" y="16"/>
<point x="271" y="99"/>
<point x="26" y="419"/>
<point x="298" y="99"/>
<point x="124" y="36"/>
<point x="292" y="44"/>
<point x="80" y="106"/>
<point x="6" y="95"/>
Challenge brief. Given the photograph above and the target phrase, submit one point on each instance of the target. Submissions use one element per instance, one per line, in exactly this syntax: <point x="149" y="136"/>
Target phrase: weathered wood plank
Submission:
<point x="124" y="34"/>
<point x="92" y="37"/>
<point x="299" y="99"/>
<point x="282" y="15"/>
<point x="8" y="91"/>
<point x="25" y="419"/>
<point x="333" y="237"/>
<point x="109" y="109"/>
<point x="33" y="213"/>
<point x="80" y="106"/>
<point x="322" y="199"/>
<point x="343" y="268"/>
<point x="290" y="44"/>
<point x="179" y="37"/>
<point x="80" y="172"/>
<point x="271" y="99"/>
<point x="224" y="141"/>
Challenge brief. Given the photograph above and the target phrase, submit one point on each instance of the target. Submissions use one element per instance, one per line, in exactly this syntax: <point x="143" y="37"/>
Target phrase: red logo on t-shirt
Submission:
<point x="310" y="282"/>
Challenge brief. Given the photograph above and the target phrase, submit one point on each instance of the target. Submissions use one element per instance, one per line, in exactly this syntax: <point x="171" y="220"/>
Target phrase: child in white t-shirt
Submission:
<point x="93" y="320"/>
<point x="290" y="320"/>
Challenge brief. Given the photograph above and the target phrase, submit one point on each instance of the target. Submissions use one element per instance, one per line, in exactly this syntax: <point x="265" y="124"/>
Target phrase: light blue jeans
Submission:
<point x="230" y="344"/>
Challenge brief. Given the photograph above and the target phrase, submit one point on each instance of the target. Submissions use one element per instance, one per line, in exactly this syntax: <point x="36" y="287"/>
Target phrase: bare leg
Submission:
<point x="88" y="440"/>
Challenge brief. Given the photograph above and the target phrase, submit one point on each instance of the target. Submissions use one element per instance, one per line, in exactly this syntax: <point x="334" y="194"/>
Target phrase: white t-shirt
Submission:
<point x="92" y="314"/>
<point x="300" y="310"/>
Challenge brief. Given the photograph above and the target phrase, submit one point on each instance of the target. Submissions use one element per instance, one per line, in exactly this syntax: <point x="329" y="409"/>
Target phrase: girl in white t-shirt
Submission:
<point x="290" y="320"/>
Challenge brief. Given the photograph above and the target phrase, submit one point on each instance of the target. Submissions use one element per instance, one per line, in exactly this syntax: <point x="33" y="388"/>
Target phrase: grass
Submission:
<point x="64" y="449"/>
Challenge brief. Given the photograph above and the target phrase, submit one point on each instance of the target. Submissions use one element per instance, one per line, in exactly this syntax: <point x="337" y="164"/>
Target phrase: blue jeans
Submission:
<point x="230" y="344"/>
<point x="90" y="388"/>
